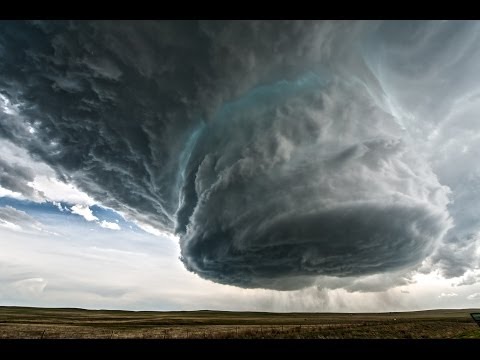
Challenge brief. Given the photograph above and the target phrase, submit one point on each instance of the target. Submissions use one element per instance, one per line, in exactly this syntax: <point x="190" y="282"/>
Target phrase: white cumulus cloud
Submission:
<point x="109" y="225"/>
<point x="84" y="211"/>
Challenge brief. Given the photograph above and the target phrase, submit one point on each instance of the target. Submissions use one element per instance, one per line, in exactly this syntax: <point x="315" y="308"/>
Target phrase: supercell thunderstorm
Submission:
<point x="277" y="151"/>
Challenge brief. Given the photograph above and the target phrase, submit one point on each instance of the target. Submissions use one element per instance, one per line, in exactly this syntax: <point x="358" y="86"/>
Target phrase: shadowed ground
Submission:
<point x="28" y="323"/>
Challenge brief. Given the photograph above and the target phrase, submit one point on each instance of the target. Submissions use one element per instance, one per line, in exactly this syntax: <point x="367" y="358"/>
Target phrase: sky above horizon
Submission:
<point x="240" y="165"/>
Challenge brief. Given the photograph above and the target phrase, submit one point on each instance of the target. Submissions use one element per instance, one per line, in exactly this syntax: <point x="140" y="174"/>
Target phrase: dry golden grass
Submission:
<point x="29" y="323"/>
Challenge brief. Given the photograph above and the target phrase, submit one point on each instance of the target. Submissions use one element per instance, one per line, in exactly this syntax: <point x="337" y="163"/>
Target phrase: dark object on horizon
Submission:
<point x="476" y="317"/>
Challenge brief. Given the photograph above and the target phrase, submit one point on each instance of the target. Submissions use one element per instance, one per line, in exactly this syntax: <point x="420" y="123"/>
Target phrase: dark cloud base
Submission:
<point x="341" y="242"/>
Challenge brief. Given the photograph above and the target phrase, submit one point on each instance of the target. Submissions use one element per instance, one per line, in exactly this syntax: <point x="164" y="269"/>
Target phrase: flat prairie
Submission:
<point x="67" y="323"/>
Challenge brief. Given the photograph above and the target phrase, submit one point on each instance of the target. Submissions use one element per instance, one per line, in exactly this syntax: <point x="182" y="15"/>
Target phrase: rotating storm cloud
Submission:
<point x="280" y="153"/>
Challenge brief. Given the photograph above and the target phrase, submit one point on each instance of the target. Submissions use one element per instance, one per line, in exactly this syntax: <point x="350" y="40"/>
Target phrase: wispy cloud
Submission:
<point x="17" y="220"/>
<point x="447" y="295"/>
<point x="475" y="296"/>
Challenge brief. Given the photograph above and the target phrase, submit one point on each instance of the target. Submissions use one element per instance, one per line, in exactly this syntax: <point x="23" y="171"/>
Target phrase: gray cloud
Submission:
<point x="18" y="220"/>
<point x="426" y="73"/>
<point x="457" y="255"/>
<point x="276" y="150"/>
<point x="16" y="178"/>
<point x="15" y="174"/>
<point x="470" y="278"/>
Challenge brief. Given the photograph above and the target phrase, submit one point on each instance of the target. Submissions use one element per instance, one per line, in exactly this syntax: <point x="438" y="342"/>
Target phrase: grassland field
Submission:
<point x="49" y="323"/>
